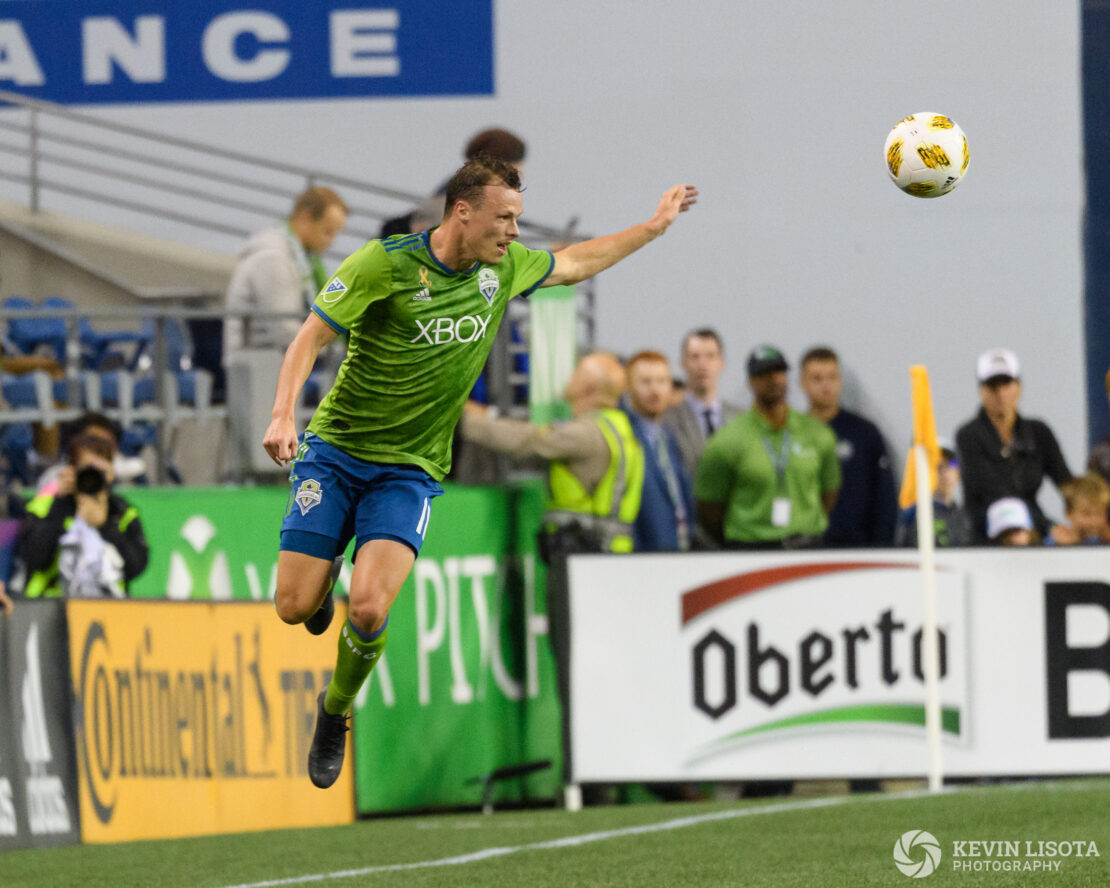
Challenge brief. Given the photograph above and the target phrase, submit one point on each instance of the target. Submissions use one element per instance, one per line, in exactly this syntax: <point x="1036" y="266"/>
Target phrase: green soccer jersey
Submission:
<point x="737" y="468"/>
<point x="418" y="336"/>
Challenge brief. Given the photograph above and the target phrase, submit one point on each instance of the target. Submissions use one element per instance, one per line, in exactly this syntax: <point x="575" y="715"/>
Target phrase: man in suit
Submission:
<point x="666" y="515"/>
<point x="702" y="411"/>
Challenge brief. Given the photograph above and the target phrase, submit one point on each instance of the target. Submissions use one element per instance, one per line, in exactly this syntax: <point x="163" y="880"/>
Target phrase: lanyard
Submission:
<point x="778" y="460"/>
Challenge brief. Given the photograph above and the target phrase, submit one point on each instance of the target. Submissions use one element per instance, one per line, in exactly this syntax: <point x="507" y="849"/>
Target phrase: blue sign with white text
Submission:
<point x="167" y="51"/>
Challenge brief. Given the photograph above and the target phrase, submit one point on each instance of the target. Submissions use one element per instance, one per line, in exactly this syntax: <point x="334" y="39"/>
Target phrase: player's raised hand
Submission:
<point x="281" y="440"/>
<point x="676" y="200"/>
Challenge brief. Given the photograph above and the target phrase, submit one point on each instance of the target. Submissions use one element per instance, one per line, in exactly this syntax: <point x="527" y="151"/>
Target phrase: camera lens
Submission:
<point x="90" y="480"/>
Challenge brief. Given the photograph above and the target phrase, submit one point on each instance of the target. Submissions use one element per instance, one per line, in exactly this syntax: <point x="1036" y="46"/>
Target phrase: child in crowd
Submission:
<point x="1009" y="523"/>
<point x="951" y="526"/>
<point x="1086" y="500"/>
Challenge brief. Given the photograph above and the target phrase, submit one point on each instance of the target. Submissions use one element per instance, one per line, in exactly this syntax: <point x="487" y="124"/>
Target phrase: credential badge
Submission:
<point x="488" y="283"/>
<point x="308" y="495"/>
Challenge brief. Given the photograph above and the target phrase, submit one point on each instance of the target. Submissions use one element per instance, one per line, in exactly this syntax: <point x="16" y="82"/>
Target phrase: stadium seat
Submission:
<point x="101" y="350"/>
<point x="29" y="334"/>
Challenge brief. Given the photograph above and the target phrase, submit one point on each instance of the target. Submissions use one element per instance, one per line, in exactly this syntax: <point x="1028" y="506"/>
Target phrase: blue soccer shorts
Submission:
<point x="334" y="496"/>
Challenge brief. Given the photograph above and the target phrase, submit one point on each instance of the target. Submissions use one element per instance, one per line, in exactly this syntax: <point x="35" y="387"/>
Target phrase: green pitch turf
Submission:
<point x="839" y="841"/>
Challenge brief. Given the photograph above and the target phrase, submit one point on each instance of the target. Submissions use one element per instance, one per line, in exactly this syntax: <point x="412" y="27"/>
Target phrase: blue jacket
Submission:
<point x="866" y="510"/>
<point x="656" y="529"/>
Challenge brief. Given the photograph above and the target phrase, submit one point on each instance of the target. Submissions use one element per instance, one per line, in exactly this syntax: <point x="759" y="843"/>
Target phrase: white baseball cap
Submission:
<point x="1009" y="513"/>
<point x="997" y="362"/>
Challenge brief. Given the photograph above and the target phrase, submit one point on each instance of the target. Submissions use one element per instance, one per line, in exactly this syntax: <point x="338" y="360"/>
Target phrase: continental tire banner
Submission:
<point x="194" y="718"/>
<point x="38" y="774"/>
<point x="809" y="665"/>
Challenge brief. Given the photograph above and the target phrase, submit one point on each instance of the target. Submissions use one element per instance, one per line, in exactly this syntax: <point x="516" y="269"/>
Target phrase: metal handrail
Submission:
<point x="309" y="175"/>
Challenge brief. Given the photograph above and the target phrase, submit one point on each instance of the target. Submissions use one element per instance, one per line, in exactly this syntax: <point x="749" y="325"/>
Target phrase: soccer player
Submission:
<point x="420" y="313"/>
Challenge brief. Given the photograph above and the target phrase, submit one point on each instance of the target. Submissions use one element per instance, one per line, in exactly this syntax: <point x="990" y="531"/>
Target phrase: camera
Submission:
<point x="90" y="480"/>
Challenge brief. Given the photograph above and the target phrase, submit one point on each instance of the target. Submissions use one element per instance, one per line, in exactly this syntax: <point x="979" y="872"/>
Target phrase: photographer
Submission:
<point x="89" y="543"/>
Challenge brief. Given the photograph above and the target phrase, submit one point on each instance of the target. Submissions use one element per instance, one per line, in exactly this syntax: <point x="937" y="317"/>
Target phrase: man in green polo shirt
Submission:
<point x="769" y="478"/>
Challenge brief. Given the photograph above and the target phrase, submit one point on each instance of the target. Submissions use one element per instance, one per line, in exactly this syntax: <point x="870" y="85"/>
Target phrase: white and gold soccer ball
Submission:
<point x="926" y="154"/>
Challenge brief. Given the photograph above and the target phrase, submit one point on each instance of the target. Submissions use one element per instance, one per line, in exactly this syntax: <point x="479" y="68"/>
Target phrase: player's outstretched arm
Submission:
<point x="281" y="436"/>
<point x="582" y="260"/>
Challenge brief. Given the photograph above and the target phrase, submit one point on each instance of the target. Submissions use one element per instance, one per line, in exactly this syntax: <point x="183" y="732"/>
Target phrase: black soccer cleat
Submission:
<point x="329" y="743"/>
<point x="318" y="623"/>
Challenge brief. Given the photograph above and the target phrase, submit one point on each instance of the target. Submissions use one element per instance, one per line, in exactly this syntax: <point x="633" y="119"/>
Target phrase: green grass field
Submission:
<point x="836" y="841"/>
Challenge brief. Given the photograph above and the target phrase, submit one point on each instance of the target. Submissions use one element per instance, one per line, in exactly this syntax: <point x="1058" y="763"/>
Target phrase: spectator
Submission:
<point x="590" y="457"/>
<point x="1099" y="460"/>
<point x="867" y="507"/>
<point x="1010" y="523"/>
<point x="1086" y="500"/>
<point x="1003" y="454"/>
<point x="58" y="479"/>
<point x="667" y="504"/>
<point x="769" y="478"/>
<point x="495" y="142"/>
<point x="89" y="543"/>
<point x="280" y="271"/>
<point x="951" y="527"/>
<point x="702" y="412"/>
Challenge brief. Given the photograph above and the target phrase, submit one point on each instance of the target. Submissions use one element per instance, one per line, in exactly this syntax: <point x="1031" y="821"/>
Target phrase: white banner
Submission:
<point x="809" y="665"/>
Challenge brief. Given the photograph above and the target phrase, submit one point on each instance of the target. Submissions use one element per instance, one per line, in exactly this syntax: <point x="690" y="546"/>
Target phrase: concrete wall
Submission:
<point x="778" y="111"/>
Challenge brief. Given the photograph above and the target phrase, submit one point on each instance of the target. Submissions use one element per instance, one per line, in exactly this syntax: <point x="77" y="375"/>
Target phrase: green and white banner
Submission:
<point x="467" y="682"/>
<point x="553" y="337"/>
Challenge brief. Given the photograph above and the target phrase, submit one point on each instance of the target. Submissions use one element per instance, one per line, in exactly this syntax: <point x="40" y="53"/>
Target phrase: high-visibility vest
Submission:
<point x="610" y="510"/>
<point x="47" y="583"/>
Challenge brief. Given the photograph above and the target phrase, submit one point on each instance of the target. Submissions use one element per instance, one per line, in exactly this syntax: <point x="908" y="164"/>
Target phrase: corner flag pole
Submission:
<point x="918" y="485"/>
<point x="930" y="653"/>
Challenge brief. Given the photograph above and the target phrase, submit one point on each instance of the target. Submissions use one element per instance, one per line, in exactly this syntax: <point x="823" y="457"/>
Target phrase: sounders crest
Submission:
<point x="488" y="283"/>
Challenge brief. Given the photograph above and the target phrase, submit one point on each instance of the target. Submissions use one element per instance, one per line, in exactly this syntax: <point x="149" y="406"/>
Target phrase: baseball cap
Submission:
<point x="766" y="359"/>
<point x="997" y="362"/>
<point x="1009" y="513"/>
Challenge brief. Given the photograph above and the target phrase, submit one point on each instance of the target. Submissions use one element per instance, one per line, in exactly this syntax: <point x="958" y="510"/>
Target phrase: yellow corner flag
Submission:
<point x="924" y="432"/>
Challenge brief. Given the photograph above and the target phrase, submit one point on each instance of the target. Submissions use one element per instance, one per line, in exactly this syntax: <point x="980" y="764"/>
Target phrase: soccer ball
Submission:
<point x="926" y="154"/>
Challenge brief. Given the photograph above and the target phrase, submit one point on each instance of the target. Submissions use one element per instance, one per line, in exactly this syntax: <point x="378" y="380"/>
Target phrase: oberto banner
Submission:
<point x="809" y="665"/>
<point x="206" y="50"/>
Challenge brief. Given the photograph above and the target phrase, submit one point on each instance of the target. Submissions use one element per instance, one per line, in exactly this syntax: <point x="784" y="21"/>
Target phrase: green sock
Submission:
<point x="358" y="654"/>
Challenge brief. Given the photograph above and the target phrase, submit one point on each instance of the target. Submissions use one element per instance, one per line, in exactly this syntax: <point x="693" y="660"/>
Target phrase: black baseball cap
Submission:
<point x="766" y="359"/>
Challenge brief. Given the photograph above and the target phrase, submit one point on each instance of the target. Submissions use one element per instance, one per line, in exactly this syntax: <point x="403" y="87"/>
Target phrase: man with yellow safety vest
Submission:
<point x="596" y="473"/>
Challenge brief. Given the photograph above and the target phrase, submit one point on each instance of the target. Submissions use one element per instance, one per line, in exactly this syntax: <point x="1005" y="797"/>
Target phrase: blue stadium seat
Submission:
<point x="29" y="334"/>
